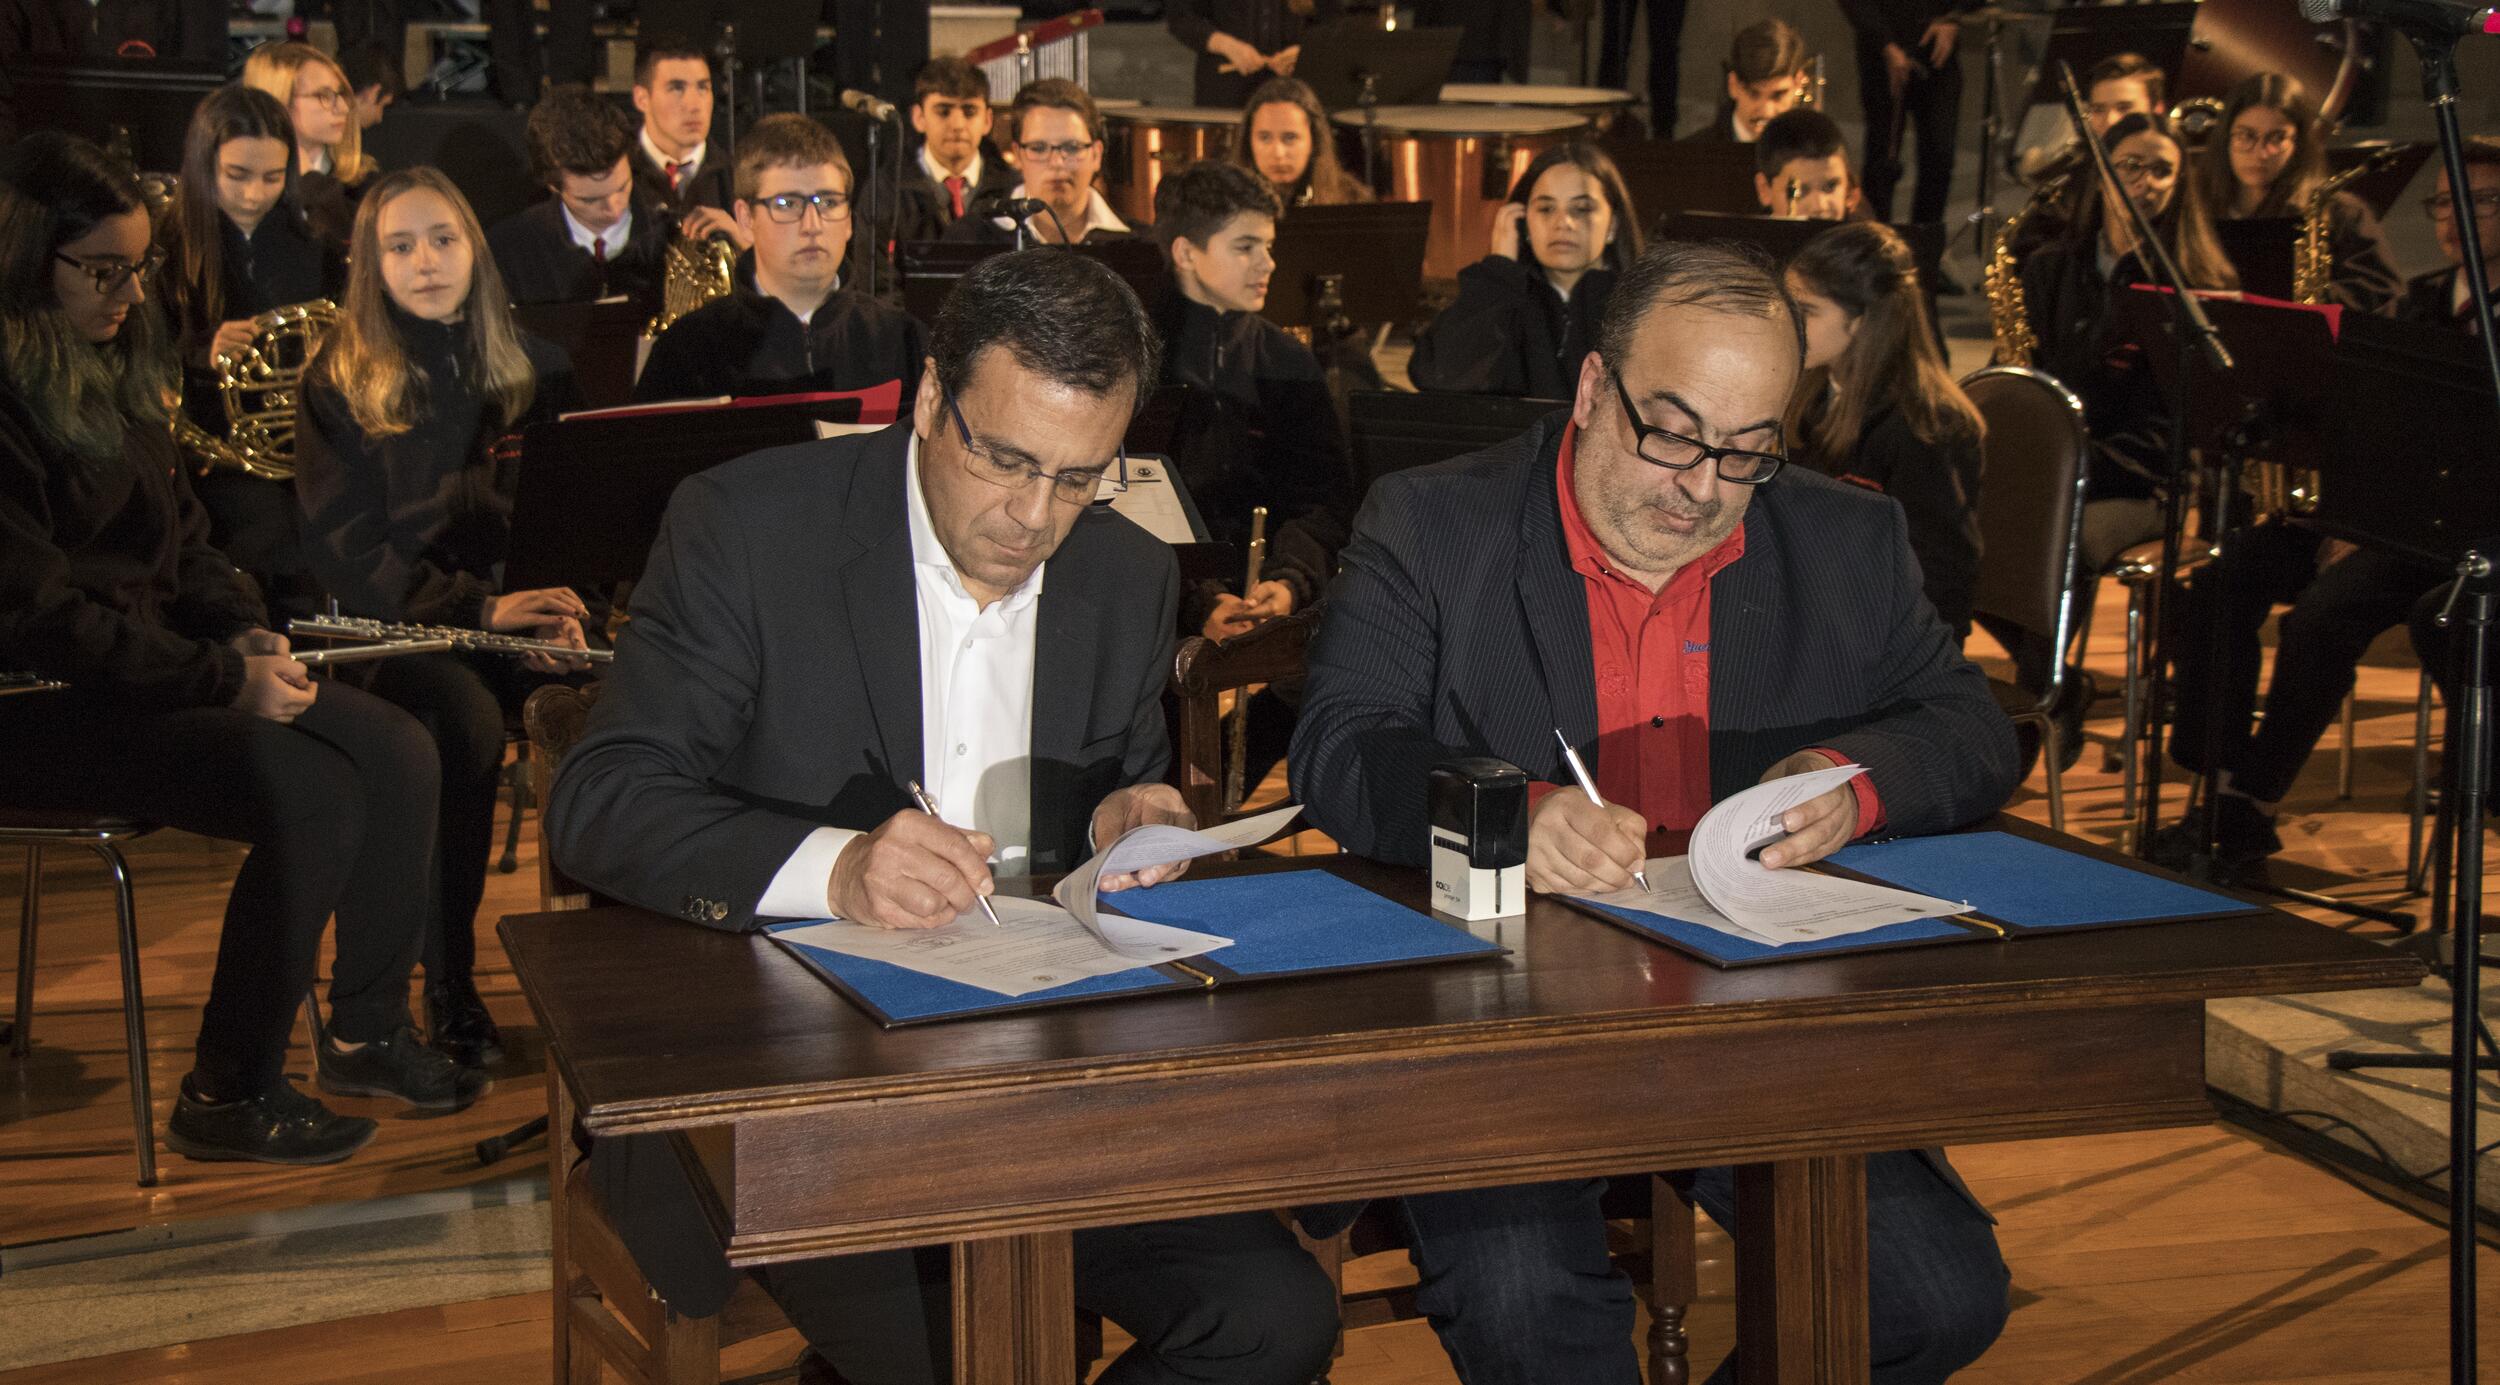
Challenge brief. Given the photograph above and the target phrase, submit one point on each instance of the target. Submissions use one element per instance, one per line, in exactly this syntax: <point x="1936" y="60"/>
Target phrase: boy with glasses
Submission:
<point x="2440" y="296"/>
<point x="1055" y="136"/>
<point x="788" y="326"/>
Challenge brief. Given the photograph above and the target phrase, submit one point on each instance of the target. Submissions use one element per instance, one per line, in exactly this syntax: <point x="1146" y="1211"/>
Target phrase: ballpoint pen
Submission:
<point x="1588" y="786"/>
<point x="929" y="805"/>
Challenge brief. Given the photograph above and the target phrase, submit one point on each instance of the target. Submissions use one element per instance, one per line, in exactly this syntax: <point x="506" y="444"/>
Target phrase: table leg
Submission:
<point x="1015" y="1311"/>
<point x="1801" y="1272"/>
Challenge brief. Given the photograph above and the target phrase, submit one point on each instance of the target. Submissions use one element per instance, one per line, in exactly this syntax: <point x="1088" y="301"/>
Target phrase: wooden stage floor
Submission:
<point x="2202" y="1254"/>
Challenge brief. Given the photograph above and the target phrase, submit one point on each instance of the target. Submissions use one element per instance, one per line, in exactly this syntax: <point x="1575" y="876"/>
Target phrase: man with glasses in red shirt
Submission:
<point x="1647" y="575"/>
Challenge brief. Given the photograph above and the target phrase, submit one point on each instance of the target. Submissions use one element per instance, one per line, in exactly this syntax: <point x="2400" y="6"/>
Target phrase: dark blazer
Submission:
<point x="540" y="262"/>
<point x="1937" y="485"/>
<point x="923" y="211"/>
<point x="706" y="762"/>
<point x="1457" y="627"/>
<point x="707" y="186"/>
<point x="2431" y="298"/>
<point x="750" y="343"/>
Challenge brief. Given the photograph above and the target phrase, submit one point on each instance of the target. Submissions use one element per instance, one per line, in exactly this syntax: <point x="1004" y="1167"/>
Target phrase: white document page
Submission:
<point x="1718" y="884"/>
<point x="1035" y="946"/>
<point x="1151" y="504"/>
<point x="1142" y="848"/>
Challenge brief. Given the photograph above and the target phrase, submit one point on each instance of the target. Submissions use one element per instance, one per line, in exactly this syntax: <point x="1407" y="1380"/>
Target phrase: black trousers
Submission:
<point x="1666" y="38"/>
<point x="2335" y="613"/>
<point x="1930" y="106"/>
<point x="463" y="702"/>
<point x="338" y="809"/>
<point x="259" y="528"/>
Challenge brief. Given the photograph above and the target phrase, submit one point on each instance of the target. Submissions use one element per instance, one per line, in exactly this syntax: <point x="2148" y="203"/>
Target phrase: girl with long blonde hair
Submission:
<point x="407" y="506"/>
<point x="329" y="142"/>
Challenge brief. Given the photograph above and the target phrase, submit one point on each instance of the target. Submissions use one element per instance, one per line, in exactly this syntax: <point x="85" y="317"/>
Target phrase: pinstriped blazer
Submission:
<point x="1458" y="627"/>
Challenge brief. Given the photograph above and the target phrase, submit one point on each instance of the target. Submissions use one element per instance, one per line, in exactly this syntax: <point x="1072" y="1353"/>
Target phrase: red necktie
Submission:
<point x="672" y="170"/>
<point x="955" y="190"/>
<point x="599" y="250"/>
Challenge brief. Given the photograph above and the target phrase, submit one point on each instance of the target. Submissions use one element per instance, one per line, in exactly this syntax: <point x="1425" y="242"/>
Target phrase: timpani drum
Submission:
<point x="1142" y="143"/>
<point x="1462" y="160"/>
<point x="1599" y="105"/>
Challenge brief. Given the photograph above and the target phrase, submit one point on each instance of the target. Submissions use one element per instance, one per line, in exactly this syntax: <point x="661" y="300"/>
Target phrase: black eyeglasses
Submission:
<point x="2156" y="169"/>
<point x="1676" y="452"/>
<point x="110" y="275"/>
<point x="1064" y="152"/>
<point x="1073" y="487"/>
<point x="2444" y="204"/>
<point x="789" y="207"/>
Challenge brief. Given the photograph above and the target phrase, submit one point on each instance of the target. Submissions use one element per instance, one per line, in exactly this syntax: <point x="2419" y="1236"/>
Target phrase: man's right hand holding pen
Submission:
<point x="913" y="871"/>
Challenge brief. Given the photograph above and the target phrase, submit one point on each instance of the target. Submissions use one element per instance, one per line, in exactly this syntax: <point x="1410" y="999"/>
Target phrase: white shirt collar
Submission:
<point x="693" y="159"/>
<point x="938" y="174"/>
<point x="929" y="554"/>
<point x="586" y="238"/>
<point x="1098" y="217"/>
<point x="319" y="163"/>
<point x="1746" y="132"/>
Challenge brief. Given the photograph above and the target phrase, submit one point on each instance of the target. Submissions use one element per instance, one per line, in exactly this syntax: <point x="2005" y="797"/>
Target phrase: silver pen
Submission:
<point x="1588" y="786"/>
<point x="929" y="805"/>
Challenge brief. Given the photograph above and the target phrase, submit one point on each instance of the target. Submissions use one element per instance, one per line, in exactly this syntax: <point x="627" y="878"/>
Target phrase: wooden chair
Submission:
<point x="1202" y="671"/>
<point x="606" y="1314"/>
<point x="2031" y="534"/>
<point x="105" y="837"/>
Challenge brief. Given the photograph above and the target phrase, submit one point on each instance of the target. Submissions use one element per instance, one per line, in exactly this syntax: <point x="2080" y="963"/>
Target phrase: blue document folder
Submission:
<point x="2014" y="885"/>
<point x="1283" y="923"/>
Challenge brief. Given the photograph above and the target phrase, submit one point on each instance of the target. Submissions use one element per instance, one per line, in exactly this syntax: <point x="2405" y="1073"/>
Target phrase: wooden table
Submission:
<point x="1585" y="1051"/>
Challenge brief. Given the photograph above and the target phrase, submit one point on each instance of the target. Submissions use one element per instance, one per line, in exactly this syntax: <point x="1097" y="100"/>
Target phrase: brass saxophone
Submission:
<point x="695" y="273"/>
<point x="2003" y="280"/>
<point x="2282" y="491"/>
<point x="258" y="383"/>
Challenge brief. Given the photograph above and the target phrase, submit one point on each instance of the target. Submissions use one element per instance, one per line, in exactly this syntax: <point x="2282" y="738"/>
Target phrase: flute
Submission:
<point x="457" y="637"/>
<point x="359" y="653"/>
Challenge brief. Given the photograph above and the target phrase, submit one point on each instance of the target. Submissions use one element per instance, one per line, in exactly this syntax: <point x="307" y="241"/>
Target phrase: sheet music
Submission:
<point x="1035" y="946"/>
<point x="1151" y="504"/>
<point x="1141" y="848"/>
<point x="1719" y="885"/>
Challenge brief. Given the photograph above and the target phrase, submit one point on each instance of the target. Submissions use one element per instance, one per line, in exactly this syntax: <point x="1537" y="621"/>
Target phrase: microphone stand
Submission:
<point x="2196" y="330"/>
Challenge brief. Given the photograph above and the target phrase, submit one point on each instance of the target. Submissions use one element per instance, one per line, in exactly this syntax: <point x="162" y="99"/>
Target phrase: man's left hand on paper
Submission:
<point x="1136" y="806"/>
<point x="1817" y="827"/>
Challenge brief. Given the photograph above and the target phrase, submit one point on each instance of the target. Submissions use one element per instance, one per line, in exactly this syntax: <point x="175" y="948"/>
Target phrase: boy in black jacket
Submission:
<point x="591" y="237"/>
<point x="950" y="108"/>
<point x="789" y="326"/>
<point x="676" y="166"/>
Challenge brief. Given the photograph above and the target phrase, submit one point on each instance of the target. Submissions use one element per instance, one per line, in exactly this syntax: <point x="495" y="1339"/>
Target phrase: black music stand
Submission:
<point x="1375" y="251"/>
<point x="592" y="490"/>
<point x="931" y="267"/>
<point x="2410" y="428"/>
<point x="139" y="107"/>
<point x="1391" y="430"/>
<point x="2082" y="35"/>
<point x="601" y="338"/>
<point x="1690" y="175"/>
<point x="2381" y="187"/>
<point x="1354" y="64"/>
<point x="2262" y="249"/>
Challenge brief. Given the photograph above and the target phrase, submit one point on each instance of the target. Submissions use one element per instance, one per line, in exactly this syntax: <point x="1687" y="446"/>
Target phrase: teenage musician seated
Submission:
<point x="1057" y="137"/>
<point x="1645" y="574"/>
<point x="184" y="707"/>
<point x="2118" y="86"/>
<point x="789" y="326"/>
<point x="1529" y="311"/>
<point x="954" y="163"/>
<point x="822" y="625"/>
<point x="236" y="245"/>
<point x="1801" y="169"/>
<point x="2342" y="598"/>
<point x="407" y="518"/>
<point x="2266" y="158"/>
<point x="1878" y="407"/>
<point x="1766" y="77"/>
<point x="1285" y="138"/>
<point x="676" y="166"/>
<point x="331" y="165"/>
<point x="591" y="237"/>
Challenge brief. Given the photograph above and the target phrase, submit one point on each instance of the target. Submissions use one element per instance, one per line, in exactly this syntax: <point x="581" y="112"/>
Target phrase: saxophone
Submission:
<point x="2003" y="280"/>
<point x="2293" y="491"/>
<point x="257" y="382"/>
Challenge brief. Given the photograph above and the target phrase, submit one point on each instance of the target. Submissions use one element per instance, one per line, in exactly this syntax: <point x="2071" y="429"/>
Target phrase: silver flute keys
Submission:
<point x="481" y="641"/>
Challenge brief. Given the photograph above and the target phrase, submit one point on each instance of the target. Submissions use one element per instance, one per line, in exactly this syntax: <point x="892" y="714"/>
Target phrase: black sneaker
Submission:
<point x="279" y="1127"/>
<point x="400" y="1066"/>
<point x="456" y="1022"/>
<point x="2243" y="838"/>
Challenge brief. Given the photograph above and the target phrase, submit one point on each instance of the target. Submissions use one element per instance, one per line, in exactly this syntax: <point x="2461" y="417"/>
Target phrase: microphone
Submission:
<point x="868" y="105"/>
<point x="2437" y="18"/>
<point x="996" y="202"/>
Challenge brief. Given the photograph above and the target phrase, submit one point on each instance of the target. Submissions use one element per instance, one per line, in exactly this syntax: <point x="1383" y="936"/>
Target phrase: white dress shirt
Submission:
<point x="660" y="161"/>
<point x="938" y="174"/>
<point x="591" y="241"/>
<point x="976" y="717"/>
<point x="1098" y="216"/>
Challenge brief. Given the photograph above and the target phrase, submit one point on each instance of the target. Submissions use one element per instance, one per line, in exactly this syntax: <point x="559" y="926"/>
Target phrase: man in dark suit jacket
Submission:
<point x="591" y="237"/>
<point x="768" y="706"/>
<point x="1701" y="619"/>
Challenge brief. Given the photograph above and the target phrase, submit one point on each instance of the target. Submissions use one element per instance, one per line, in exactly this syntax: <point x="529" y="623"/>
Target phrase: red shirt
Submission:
<point x="1651" y="657"/>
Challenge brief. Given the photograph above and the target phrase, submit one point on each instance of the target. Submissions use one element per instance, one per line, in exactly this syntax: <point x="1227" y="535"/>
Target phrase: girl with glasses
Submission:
<point x="2266" y="158"/>
<point x="329" y="143"/>
<point x="237" y="245"/>
<point x="184" y="707"/>
<point x="407" y="508"/>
